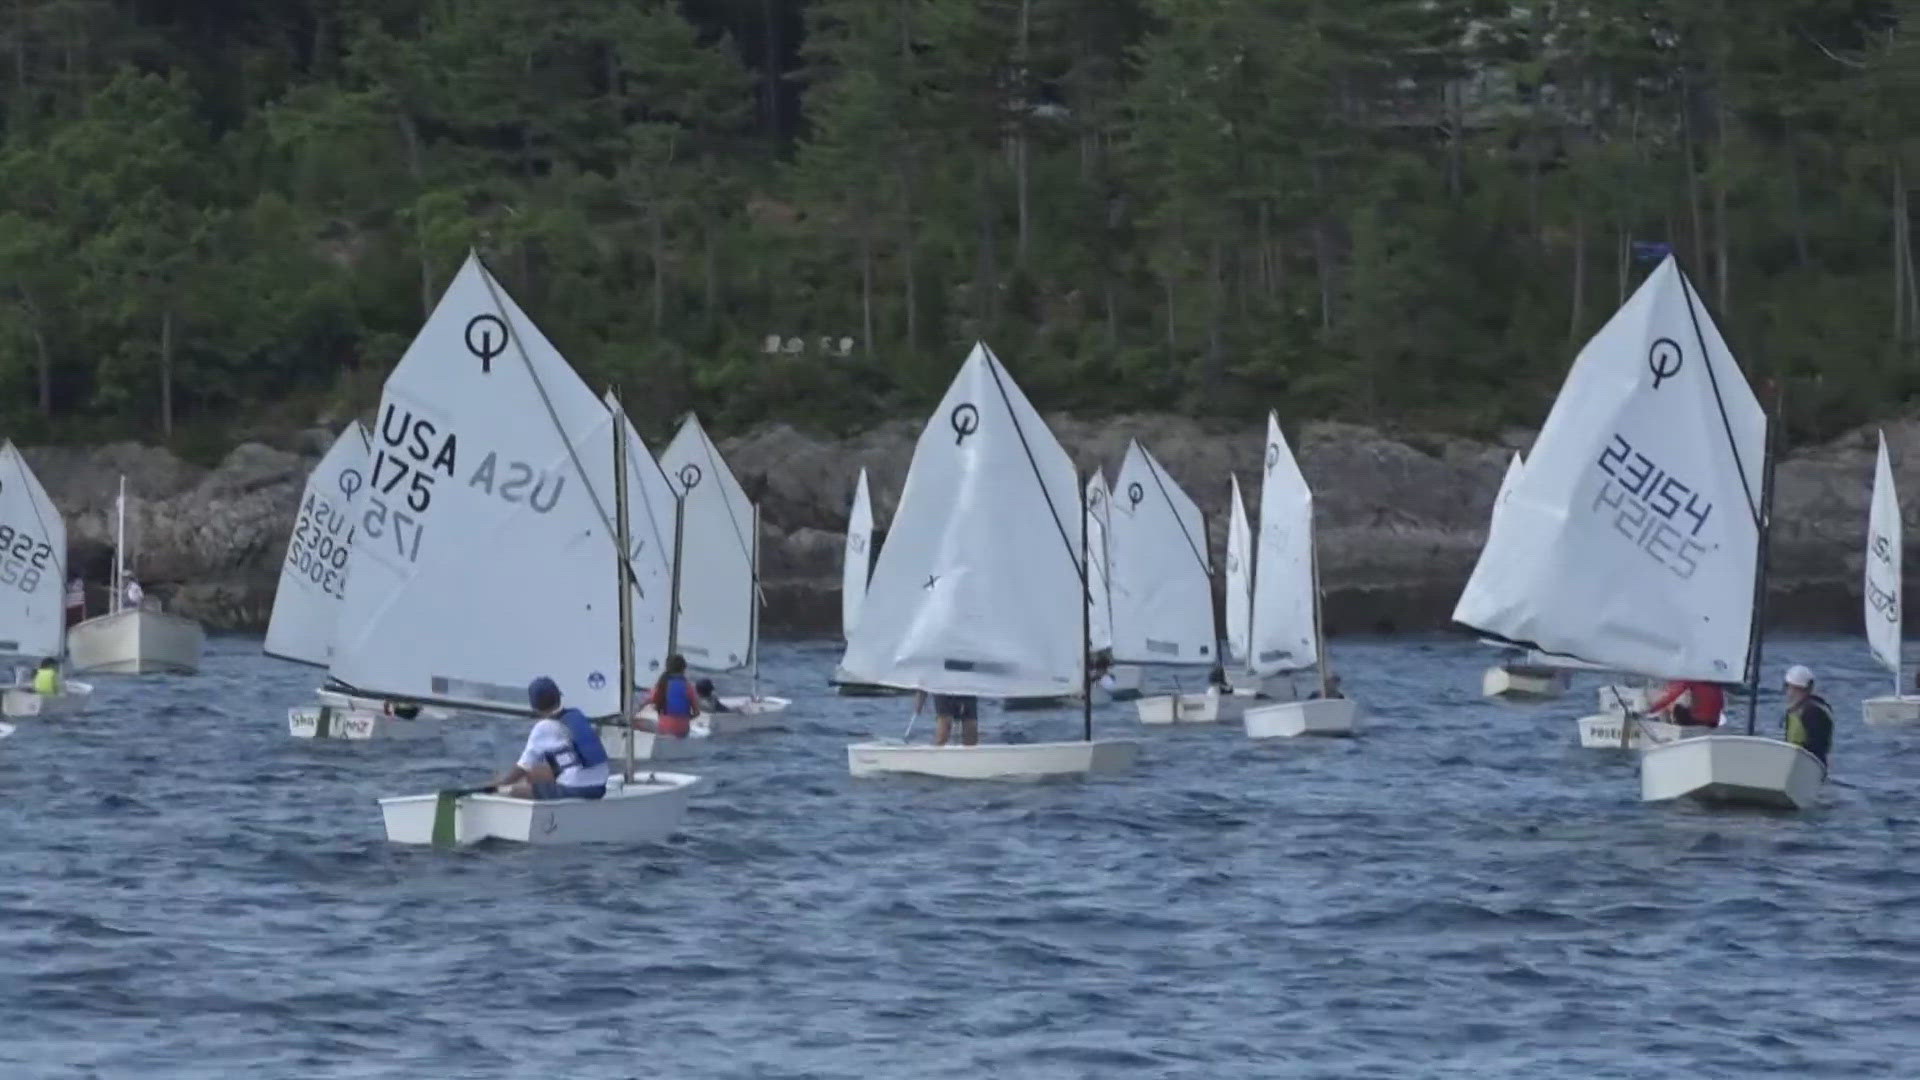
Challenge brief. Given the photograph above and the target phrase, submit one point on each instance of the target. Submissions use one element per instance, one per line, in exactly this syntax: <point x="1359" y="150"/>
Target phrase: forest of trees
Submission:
<point x="1404" y="212"/>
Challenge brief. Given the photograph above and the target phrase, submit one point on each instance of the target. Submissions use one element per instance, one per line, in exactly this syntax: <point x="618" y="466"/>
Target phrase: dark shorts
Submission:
<point x="548" y="789"/>
<point x="956" y="707"/>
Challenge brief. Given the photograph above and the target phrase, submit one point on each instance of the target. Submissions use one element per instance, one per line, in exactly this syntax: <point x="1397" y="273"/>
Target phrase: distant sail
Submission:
<point x="856" y="564"/>
<point x="313" y="576"/>
<point x="33" y="563"/>
<point x="1283" y="587"/>
<point x="1239" y="577"/>
<point x="978" y="589"/>
<point x="1883" y="584"/>
<point x="717" y="601"/>
<point x="1162" y="578"/>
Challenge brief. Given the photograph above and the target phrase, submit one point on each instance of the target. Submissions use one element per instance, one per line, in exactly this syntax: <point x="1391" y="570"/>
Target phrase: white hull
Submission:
<point x="135" y="642"/>
<point x="649" y="810"/>
<point x="1602" y="732"/>
<point x="1204" y="708"/>
<point x="1890" y="711"/>
<point x="334" y="722"/>
<point x="846" y="687"/>
<point x="5" y="730"/>
<point x="747" y="715"/>
<point x="1740" y="770"/>
<point x="993" y="761"/>
<point x="650" y="746"/>
<point x="340" y="700"/>
<point x="1320" y="716"/>
<point x="1611" y="697"/>
<point x="1526" y="684"/>
<point x="70" y="701"/>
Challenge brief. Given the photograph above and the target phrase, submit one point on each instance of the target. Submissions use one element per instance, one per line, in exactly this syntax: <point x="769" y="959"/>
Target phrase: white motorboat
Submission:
<point x="960" y="605"/>
<point x="1315" y="716"/>
<point x="994" y="761"/>
<point x="1738" y="770"/>
<point x="133" y="640"/>
<point x="22" y="703"/>
<point x="645" y="810"/>
<point x="136" y="641"/>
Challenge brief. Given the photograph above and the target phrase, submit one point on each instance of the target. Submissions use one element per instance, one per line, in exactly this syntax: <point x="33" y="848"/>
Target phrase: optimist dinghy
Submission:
<point x="490" y="453"/>
<point x="1884" y="595"/>
<point x="962" y="605"/>
<point x="1285" y="633"/>
<point x="1635" y="537"/>
<point x="33" y="561"/>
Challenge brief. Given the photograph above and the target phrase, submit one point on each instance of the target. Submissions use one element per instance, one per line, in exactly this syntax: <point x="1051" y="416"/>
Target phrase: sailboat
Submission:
<point x="1286" y="632"/>
<point x="655" y="541"/>
<point x="306" y="602"/>
<point x="720" y="596"/>
<point x="33" y="576"/>
<point x="1162" y="588"/>
<point x="856" y="566"/>
<point x="1635" y="537"/>
<point x="133" y="640"/>
<point x="490" y="551"/>
<point x="963" y="604"/>
<point x="1884" y="593"/>
<point x="1524" y="675"/>
<point x="1122" y="681"/>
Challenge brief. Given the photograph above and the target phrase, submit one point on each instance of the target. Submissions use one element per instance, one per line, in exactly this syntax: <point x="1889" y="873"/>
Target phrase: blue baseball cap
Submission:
<point x="543" y="694"/>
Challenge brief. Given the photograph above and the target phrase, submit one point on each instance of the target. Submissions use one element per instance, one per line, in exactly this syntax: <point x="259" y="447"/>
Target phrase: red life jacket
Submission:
<point x="1708" y="702"/>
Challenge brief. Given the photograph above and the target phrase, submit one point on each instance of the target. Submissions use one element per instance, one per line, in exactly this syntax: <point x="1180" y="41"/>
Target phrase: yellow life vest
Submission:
<point x="46" y="681"/>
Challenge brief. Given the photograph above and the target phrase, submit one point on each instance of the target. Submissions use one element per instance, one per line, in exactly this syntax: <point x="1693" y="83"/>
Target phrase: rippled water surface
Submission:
<point x="187" y="892"/>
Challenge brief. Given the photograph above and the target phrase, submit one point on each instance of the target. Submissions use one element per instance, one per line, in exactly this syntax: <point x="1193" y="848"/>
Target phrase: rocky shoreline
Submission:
<point x="1401" y="517"/>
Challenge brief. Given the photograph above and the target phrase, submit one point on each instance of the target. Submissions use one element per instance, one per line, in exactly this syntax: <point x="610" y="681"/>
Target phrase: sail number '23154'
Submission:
<point x="1651" y="507"/>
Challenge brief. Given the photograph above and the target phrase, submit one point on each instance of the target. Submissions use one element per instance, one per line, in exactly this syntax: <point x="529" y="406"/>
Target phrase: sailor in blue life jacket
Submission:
<point x="564" y="758"/>
<point x="1809" y="717"/>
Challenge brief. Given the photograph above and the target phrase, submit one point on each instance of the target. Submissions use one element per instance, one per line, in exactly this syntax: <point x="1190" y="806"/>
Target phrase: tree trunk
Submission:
<point x="1211" y="371"/>
<point x="1024" y="82"/>
<point x="1323" y="249"/>
<point x="713" y="271"/>
<point x="987" y="304"/>
<point x="658" y="253"/>
<point x="1578" y="306"/>
<point x="771" y="25"/>
<point x="866" y="283"/>
<point x="1693" y="179"/>
<point x="43" y="364"/>
<point x="1722" y="267"/>
<point x="410" y="134"/>
<point x="166" y="372"/>
<point x="1795" y="206"/>
<point x="909" y="271"/>
<point x="1896" y="225"/>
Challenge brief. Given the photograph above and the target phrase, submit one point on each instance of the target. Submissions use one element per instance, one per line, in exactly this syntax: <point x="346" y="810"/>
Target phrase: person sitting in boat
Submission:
<point x="1809" y="717"/>
<point x="46" y="678"/>
<point x="405" y="710"/>
<point x="1100" y="669"/>
<point x="1332" y="692"/>
<point x="948" y="708"/>
<point x="709" y="698"/>
<point x="675" y="701"/>
<point x="564" y="758"/>
<point x="1689" y="704"/>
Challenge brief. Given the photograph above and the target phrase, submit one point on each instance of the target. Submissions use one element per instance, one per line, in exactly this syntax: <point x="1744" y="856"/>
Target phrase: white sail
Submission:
<point x="1162" y="584"/>
<point x="1514" y="469"/>
<point x="33" y="563"/>
<point x="1284" y="597"/>
<point x="1630" y="539"/>
<point x="1099" y="589"/>
<point x="1883" y="585"/>
<point x="483" y="556"/>
<point x="650" y="513"/>
<point x="717" y="601"/>
<point x="1239" y="578"/>
<point x="858" y="561"/>
<point x="963" y="600"/>
<point x="313" y="577"/>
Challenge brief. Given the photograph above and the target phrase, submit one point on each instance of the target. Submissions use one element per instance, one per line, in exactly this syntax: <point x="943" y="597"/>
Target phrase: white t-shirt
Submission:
<point x="550" y="736"/>
<point x="134" y="594"/>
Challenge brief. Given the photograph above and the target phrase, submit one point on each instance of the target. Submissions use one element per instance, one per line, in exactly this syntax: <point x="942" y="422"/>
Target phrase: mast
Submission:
<point x="1086" y="621"/>
<point x="1319" y="629"/>
<point x="673" y="609"/>
<point x="624" y="545"/>
<point x="753" y="618"/>
<point x="119" y="547"/>
<point x="1758" y="631"/>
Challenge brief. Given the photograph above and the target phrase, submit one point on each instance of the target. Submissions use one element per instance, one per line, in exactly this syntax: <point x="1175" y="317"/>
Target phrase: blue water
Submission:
<point x="187" y="892"/>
